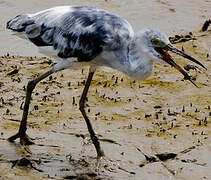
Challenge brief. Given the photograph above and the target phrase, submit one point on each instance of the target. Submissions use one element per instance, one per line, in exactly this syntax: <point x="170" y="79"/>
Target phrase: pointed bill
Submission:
<point x="167" y="58"/>
<point x="162" y="48"/>
<point x="171" y="48"/>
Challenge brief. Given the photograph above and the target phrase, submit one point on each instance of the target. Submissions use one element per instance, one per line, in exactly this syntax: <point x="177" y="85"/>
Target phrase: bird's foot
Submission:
<point x="104" y="163"/>
<point x="100" y="153"/>
<point x="24" y="139"/>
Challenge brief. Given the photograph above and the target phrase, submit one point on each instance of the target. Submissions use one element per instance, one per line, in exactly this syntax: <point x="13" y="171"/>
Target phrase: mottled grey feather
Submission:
<point x="82" y="32"/>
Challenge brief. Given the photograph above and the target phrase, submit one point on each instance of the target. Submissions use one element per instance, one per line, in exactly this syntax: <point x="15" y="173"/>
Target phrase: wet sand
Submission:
<point x="137" y="122"/>
<point x="153" y="129"/>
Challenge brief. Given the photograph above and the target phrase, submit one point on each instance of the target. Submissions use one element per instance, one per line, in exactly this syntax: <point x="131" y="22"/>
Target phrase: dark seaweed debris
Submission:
<point x="166" y="156"/>
<point x="206" y="25"/>
<point x="182" y="38"/>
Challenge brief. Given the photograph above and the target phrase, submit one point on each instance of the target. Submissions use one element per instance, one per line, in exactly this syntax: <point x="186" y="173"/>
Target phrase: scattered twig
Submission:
<point x="187" y="150"/>
<point x="149" y="159"/>
<point x="83" y="136"/>
<point x="130" y="172"/>
<point x="169" y="170"/>
<point x="46" y="145"/>
<point x="10" y="119"/>
<point x="109" y="141"/>
<point x="15" y="71"/>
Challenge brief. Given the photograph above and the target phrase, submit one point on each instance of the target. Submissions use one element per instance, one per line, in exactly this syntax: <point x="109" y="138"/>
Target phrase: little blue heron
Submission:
<point x="78" y="36"/>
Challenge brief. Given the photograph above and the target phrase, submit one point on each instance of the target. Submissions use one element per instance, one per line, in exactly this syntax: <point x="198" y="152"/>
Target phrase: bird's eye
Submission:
<point x="155" y="42"/>
<point x="158" y="43"/>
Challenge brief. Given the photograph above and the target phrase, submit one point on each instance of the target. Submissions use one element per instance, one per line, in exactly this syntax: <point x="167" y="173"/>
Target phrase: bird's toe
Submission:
<point x="26" y="140"/>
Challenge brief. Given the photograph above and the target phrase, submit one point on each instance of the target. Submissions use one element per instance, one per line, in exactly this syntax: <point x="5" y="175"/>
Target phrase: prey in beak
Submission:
<point x="162" y="48"/>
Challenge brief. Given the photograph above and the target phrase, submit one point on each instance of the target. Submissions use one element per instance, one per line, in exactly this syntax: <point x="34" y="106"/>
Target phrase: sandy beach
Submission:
<point x="156" y="129"/>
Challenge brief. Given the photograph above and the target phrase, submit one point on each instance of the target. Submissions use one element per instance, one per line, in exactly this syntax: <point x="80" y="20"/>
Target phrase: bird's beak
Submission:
<point x="168" y="58"/>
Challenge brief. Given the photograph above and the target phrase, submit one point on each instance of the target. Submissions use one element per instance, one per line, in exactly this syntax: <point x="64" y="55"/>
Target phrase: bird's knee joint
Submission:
<point x="31" y="85"/>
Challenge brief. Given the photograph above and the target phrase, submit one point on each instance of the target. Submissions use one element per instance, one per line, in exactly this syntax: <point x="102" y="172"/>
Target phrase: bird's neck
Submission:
<point x="140" y="64"/>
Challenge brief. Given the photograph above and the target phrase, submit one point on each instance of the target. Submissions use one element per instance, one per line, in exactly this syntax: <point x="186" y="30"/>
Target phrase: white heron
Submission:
<point x="79" y="36"/>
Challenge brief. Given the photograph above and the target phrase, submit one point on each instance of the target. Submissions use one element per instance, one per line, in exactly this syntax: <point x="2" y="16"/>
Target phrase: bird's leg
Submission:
<point x="94" y="138"/>
<point x="24" y="139"/>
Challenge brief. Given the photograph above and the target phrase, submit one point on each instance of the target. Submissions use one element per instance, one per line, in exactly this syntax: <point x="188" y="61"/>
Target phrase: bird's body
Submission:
<point x="77" y="36"/>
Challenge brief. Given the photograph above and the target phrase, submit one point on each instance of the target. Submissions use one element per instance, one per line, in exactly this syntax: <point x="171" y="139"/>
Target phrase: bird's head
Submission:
<point x="159" y="46"/>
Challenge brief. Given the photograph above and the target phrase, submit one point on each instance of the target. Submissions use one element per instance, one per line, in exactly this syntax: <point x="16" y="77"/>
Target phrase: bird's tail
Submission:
<point x="19" y="23"/>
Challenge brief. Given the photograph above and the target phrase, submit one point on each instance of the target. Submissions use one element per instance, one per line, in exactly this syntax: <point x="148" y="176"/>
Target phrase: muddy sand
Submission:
<point x="153" y="129"/>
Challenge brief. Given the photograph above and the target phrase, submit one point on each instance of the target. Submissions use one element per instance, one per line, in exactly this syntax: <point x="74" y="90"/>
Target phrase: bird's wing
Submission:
<point x="81" y="32"/>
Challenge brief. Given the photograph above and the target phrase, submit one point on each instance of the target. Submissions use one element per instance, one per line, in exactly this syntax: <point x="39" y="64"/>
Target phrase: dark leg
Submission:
<point x="24" y="139"/>
<point x="94" y="138"/>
